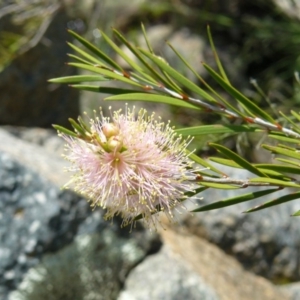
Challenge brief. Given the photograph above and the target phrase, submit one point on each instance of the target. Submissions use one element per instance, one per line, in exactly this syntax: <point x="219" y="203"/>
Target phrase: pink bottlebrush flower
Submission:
<point x="130" y="165"/>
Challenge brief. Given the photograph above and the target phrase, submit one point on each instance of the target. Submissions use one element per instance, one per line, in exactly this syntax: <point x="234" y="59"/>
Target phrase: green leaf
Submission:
<point x="280" y="200"/>
<point x="279" y="168"/>
<point x="81" y="60"/>
<point x="89" y="57"/>
<point x="204" y="163"/>
<point x="182" y="80"/>
<point x="103" y="90"/>
<point x="213" y="91"/>
<point x="151" y="98"/>
<point x="235" y="200"/>
<point x="225" y="162"/>
<point x="117" y="91"/>
<point x="276" y="175"/>
<point x="296" y="115"/>
<point x="64" y="130"/>
<point x="238" y="159"/>
<point x="214" y="129"/>
<point x="132" y="63"/>
<point x="146" y="38"/>
<point x="77" y="127"/>
<point x="106" y="72"/>
<point x="284" y="138"/>
<point x="84" y="125"/>
<point x="294" y="126"/>
<point x="147" y="82"/>
<point x="291" y="162"/>
<point x="280" y="150"/>
<point x="95" y="50"/>
<point x="197" y="75"/>
<point x="187" y="194"/>
<point x="283" y="146"/>
<point x="220" y="186"/>
<point x="217" y="59"/>
<point x="78" y="78"/>
<point x="274" y="182"/>
<point x="249" y="105"/>
<point x="85" y="87"/>
<point x="296" y="214"/>
<point x="158" y="77"/>
<point x="186" y="63"/>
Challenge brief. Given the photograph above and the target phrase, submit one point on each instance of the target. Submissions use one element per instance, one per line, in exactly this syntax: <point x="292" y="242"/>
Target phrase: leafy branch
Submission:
<point x="152" y="79"/>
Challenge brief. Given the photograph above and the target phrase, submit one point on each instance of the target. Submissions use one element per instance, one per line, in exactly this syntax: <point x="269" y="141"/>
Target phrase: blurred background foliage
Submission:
<point x="22" y="25"/>
<point x="258" y="43"/>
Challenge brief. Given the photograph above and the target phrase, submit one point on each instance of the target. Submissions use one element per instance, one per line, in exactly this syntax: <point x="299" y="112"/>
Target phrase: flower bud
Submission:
<point x="109" y="130"/>
<point x="114" y="144"/>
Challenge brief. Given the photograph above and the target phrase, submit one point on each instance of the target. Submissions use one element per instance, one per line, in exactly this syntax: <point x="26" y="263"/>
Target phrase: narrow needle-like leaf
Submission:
<point x="78" y="78"/>
<point x="64" y="130"/>
<point x="214" y="129"/>
<point x="151" y="98"/>
<point x="238" y="159"/>
<point x="234" y="200"/>
<point x="95" y="50"/>
<point x="178" y="77"/>
<point x="280" y="200"/>
<point x="77" y="127"/>
<point x="248" y="105"/>
<point x="217" y="59"/>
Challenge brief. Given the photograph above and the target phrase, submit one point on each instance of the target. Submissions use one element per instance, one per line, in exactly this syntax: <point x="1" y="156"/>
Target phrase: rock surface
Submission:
<point x="292" y="290"/>
<point x="38" y="218"/>
<point x="290" y="8"/>
<point x="93" y="267"/>
<point x="166" y="276"/>
<point x="188" y="267"/>
<point x="266" y="242"/>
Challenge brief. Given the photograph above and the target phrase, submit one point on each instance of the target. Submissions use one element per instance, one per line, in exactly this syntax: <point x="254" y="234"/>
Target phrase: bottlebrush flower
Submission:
<point x="129" y="165"/>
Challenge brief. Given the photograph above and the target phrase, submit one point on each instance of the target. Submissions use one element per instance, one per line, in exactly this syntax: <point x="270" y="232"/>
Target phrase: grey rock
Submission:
<point x="289" y="7"/>
<point x="35" y="157"/>
<point x="164" y="276"/>
<point x="47" y="138"/>
<point x="189" y="267"/>
<point x="218" y="270"/>
<point x="266" y="242"/>
<point x="38" y="218"/>
<point x="292" y="289"/>
<point x="93" y="267"/>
